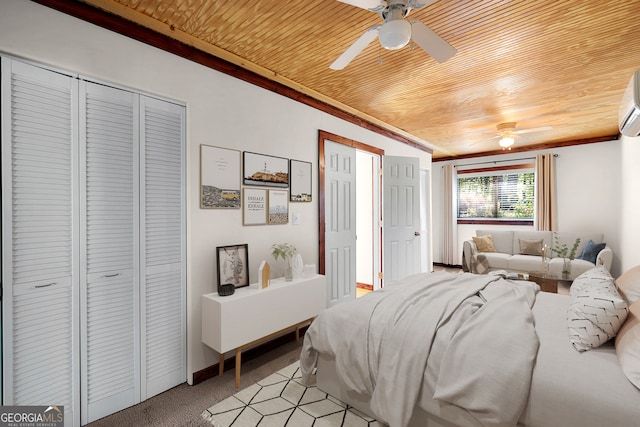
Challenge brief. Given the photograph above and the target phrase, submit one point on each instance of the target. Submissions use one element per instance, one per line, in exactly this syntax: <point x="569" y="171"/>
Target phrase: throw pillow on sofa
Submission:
<point x="591" y="251"/>
<point x="596" y="311"/>
<point x="530" y="247"/>
<point x="484" y="243"/>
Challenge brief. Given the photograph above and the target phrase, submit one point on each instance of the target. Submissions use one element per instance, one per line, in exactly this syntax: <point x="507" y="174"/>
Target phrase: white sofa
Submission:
<point x="508" y="256"/>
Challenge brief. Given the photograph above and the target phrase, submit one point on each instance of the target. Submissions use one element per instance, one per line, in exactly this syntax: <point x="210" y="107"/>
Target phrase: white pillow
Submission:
<point x="593" y="277"/>
<point x="628" y="345"/>
<point x="629" y="285"/>
<point x="596" y="310"/>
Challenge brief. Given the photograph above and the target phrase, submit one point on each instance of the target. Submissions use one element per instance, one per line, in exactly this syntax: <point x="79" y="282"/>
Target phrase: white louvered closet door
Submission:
<point x="39" y="264"/>
<point x="162" y="247"/>
<point x="109" y="241"/>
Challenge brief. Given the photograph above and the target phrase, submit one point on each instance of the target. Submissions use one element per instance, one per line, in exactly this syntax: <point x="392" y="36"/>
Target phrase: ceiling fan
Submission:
<point x="396" y="31"/>
<point x="507" y="133"/>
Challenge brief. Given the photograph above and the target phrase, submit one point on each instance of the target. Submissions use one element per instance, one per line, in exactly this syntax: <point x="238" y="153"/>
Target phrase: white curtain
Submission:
<point x="546" y="217"/>
<point x="450" y="244"/>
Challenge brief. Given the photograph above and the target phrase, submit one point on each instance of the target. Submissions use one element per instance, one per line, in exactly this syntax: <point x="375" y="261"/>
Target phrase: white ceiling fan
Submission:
<point x="396" y="31"/>
<point x="508" y="133"/>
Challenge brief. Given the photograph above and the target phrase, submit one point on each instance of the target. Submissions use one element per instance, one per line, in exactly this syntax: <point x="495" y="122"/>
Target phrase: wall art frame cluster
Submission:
<point x="269" y="183"/>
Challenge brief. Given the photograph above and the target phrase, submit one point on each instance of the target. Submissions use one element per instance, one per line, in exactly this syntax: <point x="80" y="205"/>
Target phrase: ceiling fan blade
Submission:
<point x="419" y="4"/>
<point x="430" y="42"/>
<point x="357" y="47"/>
<point x="372" y="5"/>
<point x="540" y="129"/>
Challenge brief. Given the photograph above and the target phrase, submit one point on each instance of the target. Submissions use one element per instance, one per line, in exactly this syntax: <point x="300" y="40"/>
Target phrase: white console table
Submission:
<point x="250" y="316"/>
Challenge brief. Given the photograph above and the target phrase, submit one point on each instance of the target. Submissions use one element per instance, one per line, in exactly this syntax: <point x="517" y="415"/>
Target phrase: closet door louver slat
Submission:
<point x="39" y="273"/>
<point x="163" y="282"/>
<point x="110" y="342"/>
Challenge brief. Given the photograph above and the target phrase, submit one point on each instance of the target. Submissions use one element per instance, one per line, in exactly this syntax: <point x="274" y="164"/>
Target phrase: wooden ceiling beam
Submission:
<point x="131" y="29"/>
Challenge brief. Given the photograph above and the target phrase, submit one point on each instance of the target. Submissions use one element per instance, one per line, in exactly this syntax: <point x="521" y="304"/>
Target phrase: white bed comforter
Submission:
<point x="467" y="340"/>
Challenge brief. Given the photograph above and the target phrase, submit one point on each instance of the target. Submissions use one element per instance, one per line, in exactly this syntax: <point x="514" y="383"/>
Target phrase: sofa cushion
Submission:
<point x="502" y="240"/>
<point x="628" y="345"/>
<point x="530" y="247"/>
<point x="578" y="266"/>
<point x="629" y="285"/>
<point x="484" y="243"/>
<point x="591" y="251"/>
<point x="546" y="236"/>
<point x="569" y="239"/>
<point x="497" y="260"/>
<point x="528" y="263"/>
<point x="596" y="310"/>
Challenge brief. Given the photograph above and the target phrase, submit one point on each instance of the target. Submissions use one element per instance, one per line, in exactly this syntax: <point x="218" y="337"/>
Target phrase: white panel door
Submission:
<point x="340" y="222"/>
<point x="163" y="274"/>
<point x="401" y="217"/>
<point x="110" y="351"/>
<point x="39" y="238"/>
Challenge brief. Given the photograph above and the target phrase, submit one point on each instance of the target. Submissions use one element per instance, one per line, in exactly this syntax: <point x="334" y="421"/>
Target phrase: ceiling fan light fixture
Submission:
<point x="506" y="141"/>
<point x="394" y="34"/>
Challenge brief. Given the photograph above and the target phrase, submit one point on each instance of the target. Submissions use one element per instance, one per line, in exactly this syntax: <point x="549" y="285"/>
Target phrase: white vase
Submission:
<point x="298" y="266"/>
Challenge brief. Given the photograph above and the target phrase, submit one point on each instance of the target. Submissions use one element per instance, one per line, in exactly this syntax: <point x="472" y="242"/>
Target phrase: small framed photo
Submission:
<point x="233" y="265"/>
<point x="263" y="170"/>
<point x="278" y="207"/>
<point x="299" y="181"/>
<point x="254" y="206"/>
<point x="219" y="177"/>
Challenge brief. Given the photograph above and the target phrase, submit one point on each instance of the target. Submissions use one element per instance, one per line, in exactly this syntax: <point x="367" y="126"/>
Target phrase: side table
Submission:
<point x="249" y="316"/>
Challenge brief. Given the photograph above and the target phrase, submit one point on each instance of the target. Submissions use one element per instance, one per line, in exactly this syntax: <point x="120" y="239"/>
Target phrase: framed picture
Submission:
<point x="278" y="207"/>
<point x="219" y="177"/>
<point x="299" y="181"/>
<point x="233" y="265"/>
<point x="254" y="206"/>
<point x="268" y="171"/>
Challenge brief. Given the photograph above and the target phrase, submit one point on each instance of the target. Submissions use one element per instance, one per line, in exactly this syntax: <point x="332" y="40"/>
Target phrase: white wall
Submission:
<point x="221" y="111"/>
<point x="589" y="192"/>
<point x="629" y="222"/>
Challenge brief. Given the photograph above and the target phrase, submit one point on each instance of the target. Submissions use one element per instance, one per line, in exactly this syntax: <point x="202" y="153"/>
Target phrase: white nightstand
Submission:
<point x="250" y="316"/>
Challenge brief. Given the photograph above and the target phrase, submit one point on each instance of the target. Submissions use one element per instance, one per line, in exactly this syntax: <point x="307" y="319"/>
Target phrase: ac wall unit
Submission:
<point x="629" y="113"/>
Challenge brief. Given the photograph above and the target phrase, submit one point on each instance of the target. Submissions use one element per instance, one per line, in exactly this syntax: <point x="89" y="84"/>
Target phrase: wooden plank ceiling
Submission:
<point x="554" y="63"/>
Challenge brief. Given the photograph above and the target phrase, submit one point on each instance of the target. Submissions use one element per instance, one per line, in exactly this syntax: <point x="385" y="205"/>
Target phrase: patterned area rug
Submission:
<point x="281" y="400"/>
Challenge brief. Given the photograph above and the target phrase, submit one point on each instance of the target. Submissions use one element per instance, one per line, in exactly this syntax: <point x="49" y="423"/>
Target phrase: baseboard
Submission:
<point x="252" y="353"/>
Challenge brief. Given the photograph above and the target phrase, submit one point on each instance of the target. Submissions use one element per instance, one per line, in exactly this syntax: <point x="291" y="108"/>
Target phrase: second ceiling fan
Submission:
<point x="508" y="133"/>
<point x="396" y="31"/>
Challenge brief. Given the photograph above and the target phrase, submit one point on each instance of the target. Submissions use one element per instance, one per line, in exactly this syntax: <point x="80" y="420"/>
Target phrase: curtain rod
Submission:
<point x="498" y="161"/>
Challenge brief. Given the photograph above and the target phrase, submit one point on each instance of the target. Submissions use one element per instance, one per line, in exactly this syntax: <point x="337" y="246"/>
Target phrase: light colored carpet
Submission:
<point x="282" y="400"/>
<point x="182" y="405"/>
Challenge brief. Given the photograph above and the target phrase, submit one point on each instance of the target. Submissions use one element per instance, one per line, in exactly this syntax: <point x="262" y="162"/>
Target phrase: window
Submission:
<point x="492" y="195"/>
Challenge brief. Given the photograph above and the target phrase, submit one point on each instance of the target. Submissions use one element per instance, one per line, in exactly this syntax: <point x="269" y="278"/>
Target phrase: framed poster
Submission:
<point x="254" y="206"/>
<point x="263" y="170"/>
<point x="233" y="265"/>
<point x="278" y="207"/>
<point x="219" y="177"/>
<point x="299" y="181"/>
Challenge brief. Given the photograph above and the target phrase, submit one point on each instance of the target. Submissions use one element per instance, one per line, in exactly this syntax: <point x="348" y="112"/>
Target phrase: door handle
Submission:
<point x="416" y="233"/>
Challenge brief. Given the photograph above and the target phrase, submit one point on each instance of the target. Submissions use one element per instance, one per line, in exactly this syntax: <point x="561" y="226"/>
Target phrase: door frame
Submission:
<point x="322" y="136"/>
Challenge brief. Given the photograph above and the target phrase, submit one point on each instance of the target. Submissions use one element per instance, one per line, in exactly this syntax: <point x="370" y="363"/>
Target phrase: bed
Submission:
<point x="441" y="349"/>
